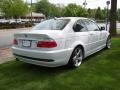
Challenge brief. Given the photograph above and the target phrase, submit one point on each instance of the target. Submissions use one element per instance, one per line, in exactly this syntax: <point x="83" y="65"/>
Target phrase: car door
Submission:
<point x="82" y="35"/>
<point x="94" y="36"/>
<point x="103" y="37"/>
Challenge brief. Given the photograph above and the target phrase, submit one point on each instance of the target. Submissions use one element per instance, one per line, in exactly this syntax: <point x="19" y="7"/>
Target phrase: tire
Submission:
<point x="108" y="43"/>
<point x="76" y="58"/>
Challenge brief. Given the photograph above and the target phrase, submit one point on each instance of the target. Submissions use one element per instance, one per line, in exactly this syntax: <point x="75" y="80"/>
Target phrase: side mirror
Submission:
<point x="77" y="27"/>
<point x="102" y="28"/>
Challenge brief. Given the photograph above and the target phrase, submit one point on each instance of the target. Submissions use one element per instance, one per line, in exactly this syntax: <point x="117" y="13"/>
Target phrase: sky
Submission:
<point x="90" y="3"/>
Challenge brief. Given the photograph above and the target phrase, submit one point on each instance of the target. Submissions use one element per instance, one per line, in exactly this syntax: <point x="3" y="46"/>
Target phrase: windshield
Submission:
<point x="52" y="24"/>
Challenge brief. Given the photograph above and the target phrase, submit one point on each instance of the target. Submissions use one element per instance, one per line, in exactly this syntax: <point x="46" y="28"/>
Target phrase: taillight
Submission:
<point x="47" y="44"/>
<point x="15" y="42"/>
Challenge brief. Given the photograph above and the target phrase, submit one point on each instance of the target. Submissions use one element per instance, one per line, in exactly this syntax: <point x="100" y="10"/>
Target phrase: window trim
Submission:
<point x="82" y="22"/>
<point x="91" y="21"/>
<point x="55" y="29"/>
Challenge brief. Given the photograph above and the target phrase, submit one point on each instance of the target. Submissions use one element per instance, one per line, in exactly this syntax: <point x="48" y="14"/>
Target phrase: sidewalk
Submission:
<point x="5" y="55"/>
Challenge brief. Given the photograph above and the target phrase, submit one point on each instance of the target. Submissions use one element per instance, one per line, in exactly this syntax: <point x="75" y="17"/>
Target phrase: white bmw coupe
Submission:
<point x="60" y="41"/>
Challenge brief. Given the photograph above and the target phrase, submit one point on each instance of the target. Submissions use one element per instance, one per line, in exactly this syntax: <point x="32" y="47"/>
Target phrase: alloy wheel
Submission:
<point x="77" y="57"/>
<point x="108" y="45"/>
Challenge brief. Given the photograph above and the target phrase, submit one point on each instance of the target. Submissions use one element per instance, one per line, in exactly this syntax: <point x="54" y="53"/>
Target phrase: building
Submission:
<point x="36" y="17"/>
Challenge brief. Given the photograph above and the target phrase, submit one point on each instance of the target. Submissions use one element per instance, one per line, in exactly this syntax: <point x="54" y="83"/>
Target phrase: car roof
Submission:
<point x="76" y="18"/>
<point x="72" y="18"/>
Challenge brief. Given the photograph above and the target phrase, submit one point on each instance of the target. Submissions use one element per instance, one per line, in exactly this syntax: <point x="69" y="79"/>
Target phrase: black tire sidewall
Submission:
<point x="109" y="38"/>
<point x="71" y="62"/>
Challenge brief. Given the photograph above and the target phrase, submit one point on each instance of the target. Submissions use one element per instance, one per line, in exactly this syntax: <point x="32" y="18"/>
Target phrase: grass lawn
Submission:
<point x="118" y="32"/>
<point x="100" y="71"/>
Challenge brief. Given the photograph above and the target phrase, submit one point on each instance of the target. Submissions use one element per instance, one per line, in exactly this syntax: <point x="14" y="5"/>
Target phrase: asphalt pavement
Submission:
<point x="6" y="36"/>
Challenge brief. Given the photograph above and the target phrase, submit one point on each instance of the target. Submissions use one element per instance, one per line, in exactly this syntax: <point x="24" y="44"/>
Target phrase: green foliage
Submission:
<point x="50" y="10"/>
<point x="89" y="12"/>
<point x="104" y="12"/>
<point x="73" y="10"/>
<point x="99" y="14"/>
<point x="54" y="11"/>
<point x="13" y="8"/>
<point x="15" y="25"/>
<point x="118" y="14"/>
<point x="42" y="7"/>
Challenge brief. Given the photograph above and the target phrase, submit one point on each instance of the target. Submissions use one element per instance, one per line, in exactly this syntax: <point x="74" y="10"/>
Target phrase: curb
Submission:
<point x="5" y="55"/>
<point x="7" y="60"/>
<point x="2" y="30"/>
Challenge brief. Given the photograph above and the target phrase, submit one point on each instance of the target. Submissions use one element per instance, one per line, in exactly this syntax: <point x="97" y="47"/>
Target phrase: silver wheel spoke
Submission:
<point x="77" y="57"/>
<point x="109" y="43"/>
<point x="79" y="52"/>
<point x="74" y="58"/>
<point x="80" y="58"/>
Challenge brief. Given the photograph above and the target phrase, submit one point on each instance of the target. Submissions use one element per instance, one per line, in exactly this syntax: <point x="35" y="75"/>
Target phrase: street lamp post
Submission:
<point x="85" y="4"/>
<point x="107" y="14"/>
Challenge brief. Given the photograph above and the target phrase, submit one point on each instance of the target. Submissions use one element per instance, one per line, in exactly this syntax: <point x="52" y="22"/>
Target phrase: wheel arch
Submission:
<point x="79" y="45"/>
<point x="82" y="47"/>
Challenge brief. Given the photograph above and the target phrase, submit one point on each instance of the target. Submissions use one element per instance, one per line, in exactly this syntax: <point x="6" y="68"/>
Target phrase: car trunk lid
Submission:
<point x="29" y="39"/>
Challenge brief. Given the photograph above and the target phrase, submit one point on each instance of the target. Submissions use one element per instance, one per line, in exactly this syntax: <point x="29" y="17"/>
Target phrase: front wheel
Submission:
<point x="76" y="57"/>
<point x="108" y="43"/>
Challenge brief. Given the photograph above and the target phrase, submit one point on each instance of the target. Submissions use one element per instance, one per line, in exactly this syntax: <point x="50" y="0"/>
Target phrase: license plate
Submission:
<point x="26" y="43"/>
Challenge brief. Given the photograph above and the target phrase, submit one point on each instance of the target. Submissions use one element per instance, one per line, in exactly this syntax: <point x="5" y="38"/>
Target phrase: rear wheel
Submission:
<point x="76" y="57"/>
<point x="108" y="43"/>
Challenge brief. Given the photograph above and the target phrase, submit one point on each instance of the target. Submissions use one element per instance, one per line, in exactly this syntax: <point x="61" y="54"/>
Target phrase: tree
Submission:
<point x="113" y="18"/>
<point x="104" y="11"/>
<point x="50" y="10"/>
<point x="99" y="14"/>
<point x="118" y="15"/>
<point x="13" y="8"/>
<point x="89" y="12"/>
<point x="42" y="7"/>
<point x="54" y="11"/>
<point x="73" y="10"/>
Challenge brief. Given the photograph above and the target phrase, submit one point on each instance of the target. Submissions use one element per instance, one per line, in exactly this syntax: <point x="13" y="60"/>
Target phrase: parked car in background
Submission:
<point x="3" y="21"/>
<point x="60" y="41"/>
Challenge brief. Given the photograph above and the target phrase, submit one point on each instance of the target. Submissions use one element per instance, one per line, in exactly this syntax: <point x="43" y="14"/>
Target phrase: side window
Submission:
<point x="91" y="25"/>
<point x="84" y="26"/>
<point x="79" y="26"/>
<point x="88" y="25"/>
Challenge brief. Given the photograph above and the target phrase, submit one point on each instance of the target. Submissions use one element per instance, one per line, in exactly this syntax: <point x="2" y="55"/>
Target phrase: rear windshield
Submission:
<point x="52" y="24"/>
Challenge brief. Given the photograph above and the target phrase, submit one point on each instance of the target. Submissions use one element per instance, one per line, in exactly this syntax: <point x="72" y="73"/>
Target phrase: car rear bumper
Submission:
<point x="44" y="58"/>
